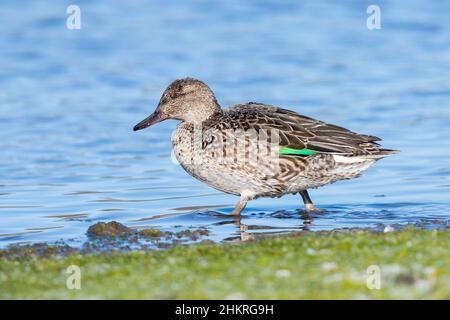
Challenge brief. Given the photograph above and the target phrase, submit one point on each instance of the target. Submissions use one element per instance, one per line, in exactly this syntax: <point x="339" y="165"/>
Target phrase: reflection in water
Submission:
<point x="245" y="233"/>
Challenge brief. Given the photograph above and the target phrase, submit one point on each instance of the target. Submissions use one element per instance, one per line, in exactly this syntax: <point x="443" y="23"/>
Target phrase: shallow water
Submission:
<point x="69" y="99"/>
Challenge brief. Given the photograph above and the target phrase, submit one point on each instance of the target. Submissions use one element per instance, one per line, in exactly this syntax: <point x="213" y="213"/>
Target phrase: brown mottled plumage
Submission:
<point x="256" y="150"/>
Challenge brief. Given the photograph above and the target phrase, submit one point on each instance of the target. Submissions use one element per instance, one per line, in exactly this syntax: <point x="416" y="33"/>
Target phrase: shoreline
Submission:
<point x="334" y="265"/>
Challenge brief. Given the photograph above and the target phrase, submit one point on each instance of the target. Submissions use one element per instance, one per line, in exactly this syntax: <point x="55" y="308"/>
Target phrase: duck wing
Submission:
<point x="301" y="135"/>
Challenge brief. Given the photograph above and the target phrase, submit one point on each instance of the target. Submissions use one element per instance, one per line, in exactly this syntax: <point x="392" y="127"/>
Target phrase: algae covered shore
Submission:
<point x="336" y="265"/>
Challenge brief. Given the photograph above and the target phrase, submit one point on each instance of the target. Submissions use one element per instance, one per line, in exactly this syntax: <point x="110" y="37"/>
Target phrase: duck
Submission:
<point x="255" y="150"/>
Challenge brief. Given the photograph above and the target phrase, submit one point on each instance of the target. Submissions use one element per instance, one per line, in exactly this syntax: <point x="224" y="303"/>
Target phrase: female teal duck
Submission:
<point x="256" y="150"/>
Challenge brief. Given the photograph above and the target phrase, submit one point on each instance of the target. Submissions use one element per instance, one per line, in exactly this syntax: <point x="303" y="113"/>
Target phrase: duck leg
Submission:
<point x="307" y="201"/>
<point x="240" y="205"/>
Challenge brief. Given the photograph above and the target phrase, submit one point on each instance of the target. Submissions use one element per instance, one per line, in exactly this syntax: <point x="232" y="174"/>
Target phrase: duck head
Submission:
<point x="189" y="100"/>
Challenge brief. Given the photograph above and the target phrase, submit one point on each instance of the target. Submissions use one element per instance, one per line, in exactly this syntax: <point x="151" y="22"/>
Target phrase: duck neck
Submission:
<point x="199" y="115"/>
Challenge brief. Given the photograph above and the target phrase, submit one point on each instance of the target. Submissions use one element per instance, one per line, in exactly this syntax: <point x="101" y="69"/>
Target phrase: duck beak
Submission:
<point x="152" y="119"/>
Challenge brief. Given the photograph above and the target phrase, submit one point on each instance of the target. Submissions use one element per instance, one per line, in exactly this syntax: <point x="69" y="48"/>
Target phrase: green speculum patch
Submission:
<point x="300" y="152"/>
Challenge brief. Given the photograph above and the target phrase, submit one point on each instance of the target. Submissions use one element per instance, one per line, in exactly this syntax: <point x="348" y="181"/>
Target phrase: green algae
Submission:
<point x="413" y="264"/>
<point x="151" y="233"/>
<point x="108" y="229"/>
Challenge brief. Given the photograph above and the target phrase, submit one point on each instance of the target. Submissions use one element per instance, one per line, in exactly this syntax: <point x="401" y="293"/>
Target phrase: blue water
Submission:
<point x="69" y="99"/>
